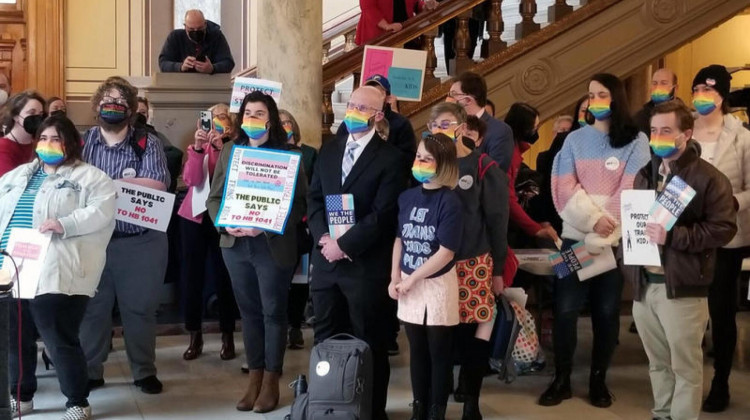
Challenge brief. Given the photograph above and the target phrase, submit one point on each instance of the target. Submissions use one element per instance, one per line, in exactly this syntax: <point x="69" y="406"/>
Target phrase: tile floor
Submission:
<point x="208" y="388"/>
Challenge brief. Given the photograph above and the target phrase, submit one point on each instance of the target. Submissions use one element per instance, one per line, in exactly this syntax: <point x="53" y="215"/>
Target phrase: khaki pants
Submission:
<point x="672" y="331"/>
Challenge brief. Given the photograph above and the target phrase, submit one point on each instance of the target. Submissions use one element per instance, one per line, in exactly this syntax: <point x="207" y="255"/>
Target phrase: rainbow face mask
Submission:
<point x="219" y="125"/>
<point x="50" y="153"/>
<point x="582" y="118"/>
<point x="289" y="132"/>
<point x="704" y="103"/>
<point x="450" y="132"/>
<point x="255" y="128"/>
<point x="356" y="121"/>
<point x="423" y="171"/>
<point x="664" y="147"/>
<point x="660" y="94"/>
<point x="600" y="108"/>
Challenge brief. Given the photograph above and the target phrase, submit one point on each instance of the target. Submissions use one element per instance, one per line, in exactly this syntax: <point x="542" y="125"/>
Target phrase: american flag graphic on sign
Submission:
<point x="340" y="210"/>
<point x="671" y="202"/>
<point x="568" y="261"/>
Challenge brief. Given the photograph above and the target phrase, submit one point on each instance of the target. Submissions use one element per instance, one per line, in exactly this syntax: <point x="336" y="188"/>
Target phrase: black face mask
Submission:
<point x="197" y="36"/>
<point x="59" y="112"/>
<point x="32" y="122"/>
<point x="532" y="138"/>
<point x="141" y="119"/>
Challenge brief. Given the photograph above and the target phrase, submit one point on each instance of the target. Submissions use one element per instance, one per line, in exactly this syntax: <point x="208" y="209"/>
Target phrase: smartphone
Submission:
<point x="206" y="122"/>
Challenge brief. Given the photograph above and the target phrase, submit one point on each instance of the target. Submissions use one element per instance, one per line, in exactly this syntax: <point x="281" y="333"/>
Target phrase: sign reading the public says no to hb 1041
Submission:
<point x="143" y="206"/>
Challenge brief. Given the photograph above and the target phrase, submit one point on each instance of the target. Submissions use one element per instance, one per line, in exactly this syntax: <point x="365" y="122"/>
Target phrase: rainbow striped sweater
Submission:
<point x="588" y="175"/>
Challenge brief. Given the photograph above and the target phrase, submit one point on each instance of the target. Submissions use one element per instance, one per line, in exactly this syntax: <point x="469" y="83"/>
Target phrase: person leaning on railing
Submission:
<point x="381" y="16"/>
<point x="73" y="201"/>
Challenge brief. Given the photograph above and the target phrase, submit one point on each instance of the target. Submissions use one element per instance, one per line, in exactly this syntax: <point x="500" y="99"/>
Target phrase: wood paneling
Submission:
<point x="45" y="46"/>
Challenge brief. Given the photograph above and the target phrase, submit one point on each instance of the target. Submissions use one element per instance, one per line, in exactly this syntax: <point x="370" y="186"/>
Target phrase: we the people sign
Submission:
<point x="259" y="189"/>
<point x="143" y="206"/>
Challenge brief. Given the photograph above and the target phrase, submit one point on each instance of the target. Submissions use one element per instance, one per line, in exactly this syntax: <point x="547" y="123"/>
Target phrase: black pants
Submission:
<point x="298" y="294"/>
<point x="430" y="362"/>
<point x="57" y="319"/>
<point x="473" y="355"/>
<point x="353" y="305"/>
<point x="603" y="294"/>
<point x="202" y="257"/>
<point x="722" y="306"/>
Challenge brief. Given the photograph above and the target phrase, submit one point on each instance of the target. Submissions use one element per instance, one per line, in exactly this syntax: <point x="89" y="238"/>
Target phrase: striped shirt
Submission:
<point x="121" y="161"/>
<point x="23" y="215"/>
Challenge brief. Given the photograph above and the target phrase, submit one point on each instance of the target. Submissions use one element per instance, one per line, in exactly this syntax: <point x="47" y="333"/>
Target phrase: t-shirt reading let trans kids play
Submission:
<point x="428" y="219"/>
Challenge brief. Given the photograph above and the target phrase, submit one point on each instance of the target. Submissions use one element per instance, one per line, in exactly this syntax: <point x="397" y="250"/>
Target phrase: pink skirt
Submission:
<point x="436" y="297"/>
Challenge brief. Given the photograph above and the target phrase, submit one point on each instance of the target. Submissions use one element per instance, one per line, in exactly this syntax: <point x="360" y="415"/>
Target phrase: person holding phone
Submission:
<point x="199" y="47"/>
<point x="200" y="240"/>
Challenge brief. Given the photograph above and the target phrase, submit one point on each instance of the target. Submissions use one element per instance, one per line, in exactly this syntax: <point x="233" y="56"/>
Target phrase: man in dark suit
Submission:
<point x="470" y="91"/>
<point x="401" y="133"/>
<point x="351" y="272"/>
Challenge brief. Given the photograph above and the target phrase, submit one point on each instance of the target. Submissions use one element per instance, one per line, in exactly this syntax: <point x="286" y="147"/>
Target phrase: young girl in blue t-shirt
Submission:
<point x="423" y="277"/>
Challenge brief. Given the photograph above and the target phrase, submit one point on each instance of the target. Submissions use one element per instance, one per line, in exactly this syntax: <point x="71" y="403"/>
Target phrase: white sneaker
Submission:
<point x="77" y="413"/>
<point x="20" y="407"/>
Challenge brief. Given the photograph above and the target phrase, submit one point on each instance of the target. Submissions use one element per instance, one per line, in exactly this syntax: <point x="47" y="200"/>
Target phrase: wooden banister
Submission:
<point x="344" y="65"/>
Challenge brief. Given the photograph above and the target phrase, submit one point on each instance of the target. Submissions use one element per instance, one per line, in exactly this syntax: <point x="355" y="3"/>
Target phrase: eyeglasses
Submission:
<point x="457" y="95"/>
<point x="444" y="125"/>
<point x="360" y="108"/>
<point x="111" y="100"/>
<point x="286" y="123"/>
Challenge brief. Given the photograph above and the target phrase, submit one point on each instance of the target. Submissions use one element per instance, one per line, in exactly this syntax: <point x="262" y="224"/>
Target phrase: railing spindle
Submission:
<point x="463" y="43"/>
<point x="495" y="28"/>
<point x="349" y="43"/>
<point x="428" y="44"/>
<point x="527" y="8"/>
<point x="327" y="109"/>
<point x="558" y="10"/>
<point x="326" y="52"/>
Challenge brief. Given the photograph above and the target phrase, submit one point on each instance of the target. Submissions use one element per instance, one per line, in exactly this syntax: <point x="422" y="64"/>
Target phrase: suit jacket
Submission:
<point x="283" y="247"/>
<point x="375" y="186"/>
<point x="498" y="141"/>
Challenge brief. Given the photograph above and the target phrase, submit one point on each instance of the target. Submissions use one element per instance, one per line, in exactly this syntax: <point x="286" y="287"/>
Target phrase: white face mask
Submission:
<point x="3" y="97"/>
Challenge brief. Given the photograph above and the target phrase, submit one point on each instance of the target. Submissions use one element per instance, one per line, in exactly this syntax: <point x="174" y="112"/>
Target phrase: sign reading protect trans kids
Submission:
<point x="143" y="206"/>
<point x="259" y="189"/>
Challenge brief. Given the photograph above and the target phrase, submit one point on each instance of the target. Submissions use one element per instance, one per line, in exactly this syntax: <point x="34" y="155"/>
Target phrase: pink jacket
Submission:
<point x="193" y="176"/>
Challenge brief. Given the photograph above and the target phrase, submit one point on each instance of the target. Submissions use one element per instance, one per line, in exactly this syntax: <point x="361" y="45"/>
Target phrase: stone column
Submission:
<point x="290" y="47"/>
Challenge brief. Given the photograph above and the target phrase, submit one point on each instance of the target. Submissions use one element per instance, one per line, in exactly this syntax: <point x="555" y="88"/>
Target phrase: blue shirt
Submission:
<point x="23" y="215"/>
<point x="427" y="220"/>
<point x="121" y="159"/>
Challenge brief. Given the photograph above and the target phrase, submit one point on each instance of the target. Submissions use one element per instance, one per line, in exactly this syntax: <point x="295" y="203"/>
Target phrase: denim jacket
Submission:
<point x="82" y="199"/>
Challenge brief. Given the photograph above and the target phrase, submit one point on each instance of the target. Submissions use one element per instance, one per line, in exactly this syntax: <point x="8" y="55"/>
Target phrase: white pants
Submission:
<point x="672" y="331"/>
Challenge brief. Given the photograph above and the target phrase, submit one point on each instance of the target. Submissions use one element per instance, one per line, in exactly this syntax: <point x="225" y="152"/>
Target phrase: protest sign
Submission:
<point x="577" y="259"/>
<point x="404" y="69"/>
<point x="143" y="206"/>
<point x="28" y="247"/>
<point x="340" y="211"/>
<point x="244" y="85"/>
<point x="635" y="206"/>
<point x="671" y="202"/>
<point x="259" y="189"/>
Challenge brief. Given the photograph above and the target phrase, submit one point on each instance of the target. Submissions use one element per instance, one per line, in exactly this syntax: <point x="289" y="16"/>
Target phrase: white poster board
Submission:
<point x="143" y="206"/>
<point x="637" y="249"/>
<point x="259" y="189"/>
<point x="244" y="85"/>
<point x="29" y="249"/>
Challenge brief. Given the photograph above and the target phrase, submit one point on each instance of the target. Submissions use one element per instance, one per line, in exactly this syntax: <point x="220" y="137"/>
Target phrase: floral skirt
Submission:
<point x="476" y="302"/>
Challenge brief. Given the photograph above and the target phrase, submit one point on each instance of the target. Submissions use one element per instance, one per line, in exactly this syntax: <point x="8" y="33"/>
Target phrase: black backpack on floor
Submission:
<point x="339" y="382"/>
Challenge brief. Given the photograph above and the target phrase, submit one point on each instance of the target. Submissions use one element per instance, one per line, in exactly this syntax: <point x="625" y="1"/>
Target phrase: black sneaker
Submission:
<point x="95" y="383"/>
<point x="557" y="391"/>
<point x="296" y="341"/>
<point x="149" y="385"/>
<point x="718" y="398"/>
<point x="393" y="349"/>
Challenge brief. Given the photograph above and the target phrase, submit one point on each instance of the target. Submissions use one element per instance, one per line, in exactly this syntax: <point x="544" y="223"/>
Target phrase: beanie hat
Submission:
<point x="715" y="76"/>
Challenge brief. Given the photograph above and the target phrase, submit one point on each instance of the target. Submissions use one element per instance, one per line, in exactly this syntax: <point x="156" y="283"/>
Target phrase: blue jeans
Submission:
<point x="261" y="288"/>
<point x="603" y="293"/>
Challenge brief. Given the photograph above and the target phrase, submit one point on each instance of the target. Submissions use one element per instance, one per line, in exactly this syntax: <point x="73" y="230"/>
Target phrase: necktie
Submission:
<point x="348" y="162"/>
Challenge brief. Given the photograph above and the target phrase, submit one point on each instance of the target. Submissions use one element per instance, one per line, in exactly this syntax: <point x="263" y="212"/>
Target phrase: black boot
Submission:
<point x="599" y="394"/>
<point x="418" y="411"/>
<point x="557" y="391"/>
<point x="437" y="412"/>
<point x="718" y="398"/>
<point x="459" y="395"/>
<point x="471" y="408"/>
